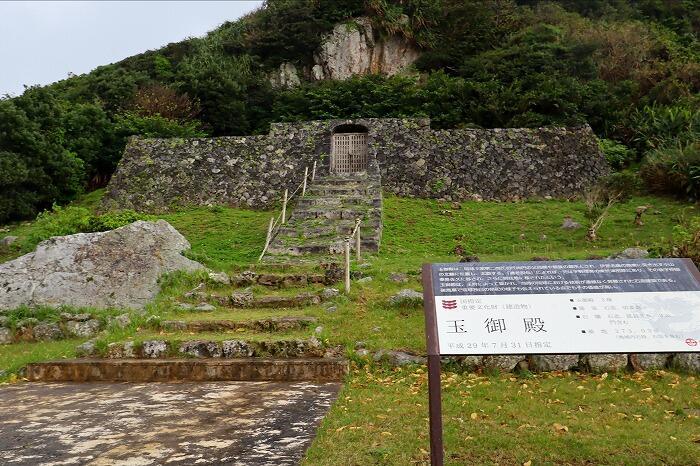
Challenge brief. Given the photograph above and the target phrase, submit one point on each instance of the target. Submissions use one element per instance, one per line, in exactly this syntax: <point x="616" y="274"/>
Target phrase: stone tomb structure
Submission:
<point x="406" y="156"/>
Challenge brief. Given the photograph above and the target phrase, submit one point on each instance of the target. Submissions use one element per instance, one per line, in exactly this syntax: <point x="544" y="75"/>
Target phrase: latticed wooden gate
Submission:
<point x="349" y="152"/>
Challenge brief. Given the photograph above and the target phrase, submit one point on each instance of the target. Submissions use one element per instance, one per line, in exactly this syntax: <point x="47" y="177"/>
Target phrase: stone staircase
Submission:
<point x="323" y="218"/>
<point x="259" y="325"/>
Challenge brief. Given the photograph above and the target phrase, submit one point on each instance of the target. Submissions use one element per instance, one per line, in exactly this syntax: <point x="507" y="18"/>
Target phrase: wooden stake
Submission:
<point x="268" y="239"/>
<point x="306" y="175"/>
<point x="284" y="207"/>
<point x="357" y="241"/>
<point x="313" y="172"/>
<point x="347" y="266"/>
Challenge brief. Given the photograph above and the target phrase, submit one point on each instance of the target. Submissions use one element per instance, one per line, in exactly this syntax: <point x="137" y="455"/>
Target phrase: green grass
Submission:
<point x="381" y="418"/>
<point x="416" y="231"/>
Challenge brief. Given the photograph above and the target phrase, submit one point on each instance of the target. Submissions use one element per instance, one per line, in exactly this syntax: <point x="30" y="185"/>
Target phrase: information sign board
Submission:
<point x="559" y="307"/>
<point x="556" y="307"/>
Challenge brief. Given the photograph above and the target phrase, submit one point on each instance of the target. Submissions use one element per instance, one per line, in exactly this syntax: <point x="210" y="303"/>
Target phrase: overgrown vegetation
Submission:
<point x="630" y="69"/>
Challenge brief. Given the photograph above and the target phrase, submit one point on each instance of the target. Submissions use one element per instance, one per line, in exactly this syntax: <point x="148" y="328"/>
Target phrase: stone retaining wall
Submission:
<point x="413" y="160"/>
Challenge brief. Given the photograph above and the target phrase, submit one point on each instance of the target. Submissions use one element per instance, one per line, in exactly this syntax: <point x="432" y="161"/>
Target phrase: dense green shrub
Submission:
<point x="58" y="221"/>
<point x="656" y="126"/>
<point x="617" y="155"/>
<point x="61" y="221"/>
<point x="112" y="220"/>
<point x="35" y="168"/>
<point x="685" y="241"/>
<point x="621" y="185"/>
<point x="156" y="126"/>
<point x="674" y="170"/>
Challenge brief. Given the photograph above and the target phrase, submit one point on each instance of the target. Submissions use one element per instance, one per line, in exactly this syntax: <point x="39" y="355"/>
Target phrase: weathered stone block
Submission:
<point x="398" y="358"/>
<point x="201" y="349"/>
<point x="505" y="363"/>
<point x="237" y="349"/>
<point x="154" y="349"/>
<point x="553" y="362"/>
<point x="84" y="329"/>
<point x="686" y="362"/>
<point x="649" y="361"/>
<point x="46" y="331"/>
<point x="604" y="362"/>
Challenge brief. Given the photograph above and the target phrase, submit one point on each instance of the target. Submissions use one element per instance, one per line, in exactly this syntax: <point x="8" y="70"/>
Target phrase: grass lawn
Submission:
<point x="381" y="415"/>
<point x="381" y="418"/>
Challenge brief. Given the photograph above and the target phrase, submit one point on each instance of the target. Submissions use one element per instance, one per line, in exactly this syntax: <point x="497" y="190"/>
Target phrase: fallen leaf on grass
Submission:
<point x="560" y="428"/>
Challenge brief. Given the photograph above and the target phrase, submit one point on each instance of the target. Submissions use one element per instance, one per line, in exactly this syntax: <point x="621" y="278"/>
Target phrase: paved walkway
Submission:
<point x="233" y="423"/>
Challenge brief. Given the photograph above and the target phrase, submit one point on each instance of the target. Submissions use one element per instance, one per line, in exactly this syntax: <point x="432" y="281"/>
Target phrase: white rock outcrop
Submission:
<point x="351" y="50"/>
<point x="117" y="268"/>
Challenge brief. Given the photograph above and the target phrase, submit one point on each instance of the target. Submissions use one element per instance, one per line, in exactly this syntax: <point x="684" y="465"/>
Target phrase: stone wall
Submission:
<point x="413" y="160"/>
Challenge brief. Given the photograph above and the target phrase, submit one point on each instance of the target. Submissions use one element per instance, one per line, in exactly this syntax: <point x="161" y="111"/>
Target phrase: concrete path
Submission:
<point x="233" y="423"/>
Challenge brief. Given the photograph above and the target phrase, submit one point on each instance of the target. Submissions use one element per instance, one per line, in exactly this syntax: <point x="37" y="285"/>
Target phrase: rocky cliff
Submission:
<point x="353" y="48"/>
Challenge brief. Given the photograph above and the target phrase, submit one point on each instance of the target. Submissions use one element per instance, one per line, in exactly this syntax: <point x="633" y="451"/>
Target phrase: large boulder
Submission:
<point x="117" y="268"/>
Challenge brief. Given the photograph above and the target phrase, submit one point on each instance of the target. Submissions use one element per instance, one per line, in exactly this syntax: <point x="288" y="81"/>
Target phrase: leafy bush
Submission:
<point x="156" y="99"/>
<point x="685" y="241"/>
<point x="61" y="221"/>
<point x="621" y="185"/>
<point x="657" y="126"/>
<point x="112" y="220"/>
<point x="156" y="126"/>
<point x="58" y="221"/>
<point x="35" y="167"/>
<point x="674" y="170"/>
<point x="617" y="155"/>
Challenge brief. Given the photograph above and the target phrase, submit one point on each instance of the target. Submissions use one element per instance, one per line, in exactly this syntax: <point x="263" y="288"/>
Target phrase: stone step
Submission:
<point x="280" y="280"/>
<point x="332" y="229"/>
<point x="189" y="370"/>
<point x="261" y="325"/>
<point x="359" y="177"/>
<point x="333" y="190"/>
<point x="345" y="213"/>
<point x="338" y="202"/>
<point x="246" y="300"/>
<point x="321" y="247"/>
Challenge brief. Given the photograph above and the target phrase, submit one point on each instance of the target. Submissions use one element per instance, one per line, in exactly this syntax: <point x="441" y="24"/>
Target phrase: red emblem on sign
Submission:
<point x="691" y="342"/>
<point x="449" y="304"/>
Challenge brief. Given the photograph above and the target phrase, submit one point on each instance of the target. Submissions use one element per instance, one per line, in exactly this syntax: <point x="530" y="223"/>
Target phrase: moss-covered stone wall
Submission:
<point x="413" y="160"/>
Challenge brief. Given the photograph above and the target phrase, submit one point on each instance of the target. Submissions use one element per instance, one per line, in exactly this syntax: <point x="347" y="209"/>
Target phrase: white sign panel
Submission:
<point x="620" y="306"/>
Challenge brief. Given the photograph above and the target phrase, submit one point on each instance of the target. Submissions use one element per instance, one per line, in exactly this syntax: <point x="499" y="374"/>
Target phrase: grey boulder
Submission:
<point x="398" y="358"/>
<point x="406" y="296"/>
<point x="117" y="268"/>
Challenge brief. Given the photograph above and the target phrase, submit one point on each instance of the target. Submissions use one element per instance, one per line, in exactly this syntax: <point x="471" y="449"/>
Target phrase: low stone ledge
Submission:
<point x="200" y="370"/>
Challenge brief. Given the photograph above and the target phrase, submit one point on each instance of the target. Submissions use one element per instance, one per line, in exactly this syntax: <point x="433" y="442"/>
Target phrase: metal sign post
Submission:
<point x="555" y="307"/>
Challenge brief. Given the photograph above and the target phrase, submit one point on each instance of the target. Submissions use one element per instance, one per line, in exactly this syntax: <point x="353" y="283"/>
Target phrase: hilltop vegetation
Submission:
<point x="631" y="69"/>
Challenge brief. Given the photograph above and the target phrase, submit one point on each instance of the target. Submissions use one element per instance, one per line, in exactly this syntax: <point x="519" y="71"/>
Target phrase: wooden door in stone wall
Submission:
<point x="349" y="152"/>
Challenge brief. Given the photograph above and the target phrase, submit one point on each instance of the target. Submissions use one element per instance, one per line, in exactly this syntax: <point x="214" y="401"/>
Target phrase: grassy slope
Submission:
<point x="381" y="415"/>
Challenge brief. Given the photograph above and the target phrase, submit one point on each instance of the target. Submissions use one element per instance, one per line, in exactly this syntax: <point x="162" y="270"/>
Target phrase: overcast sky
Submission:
<point x="41" y="42"/>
